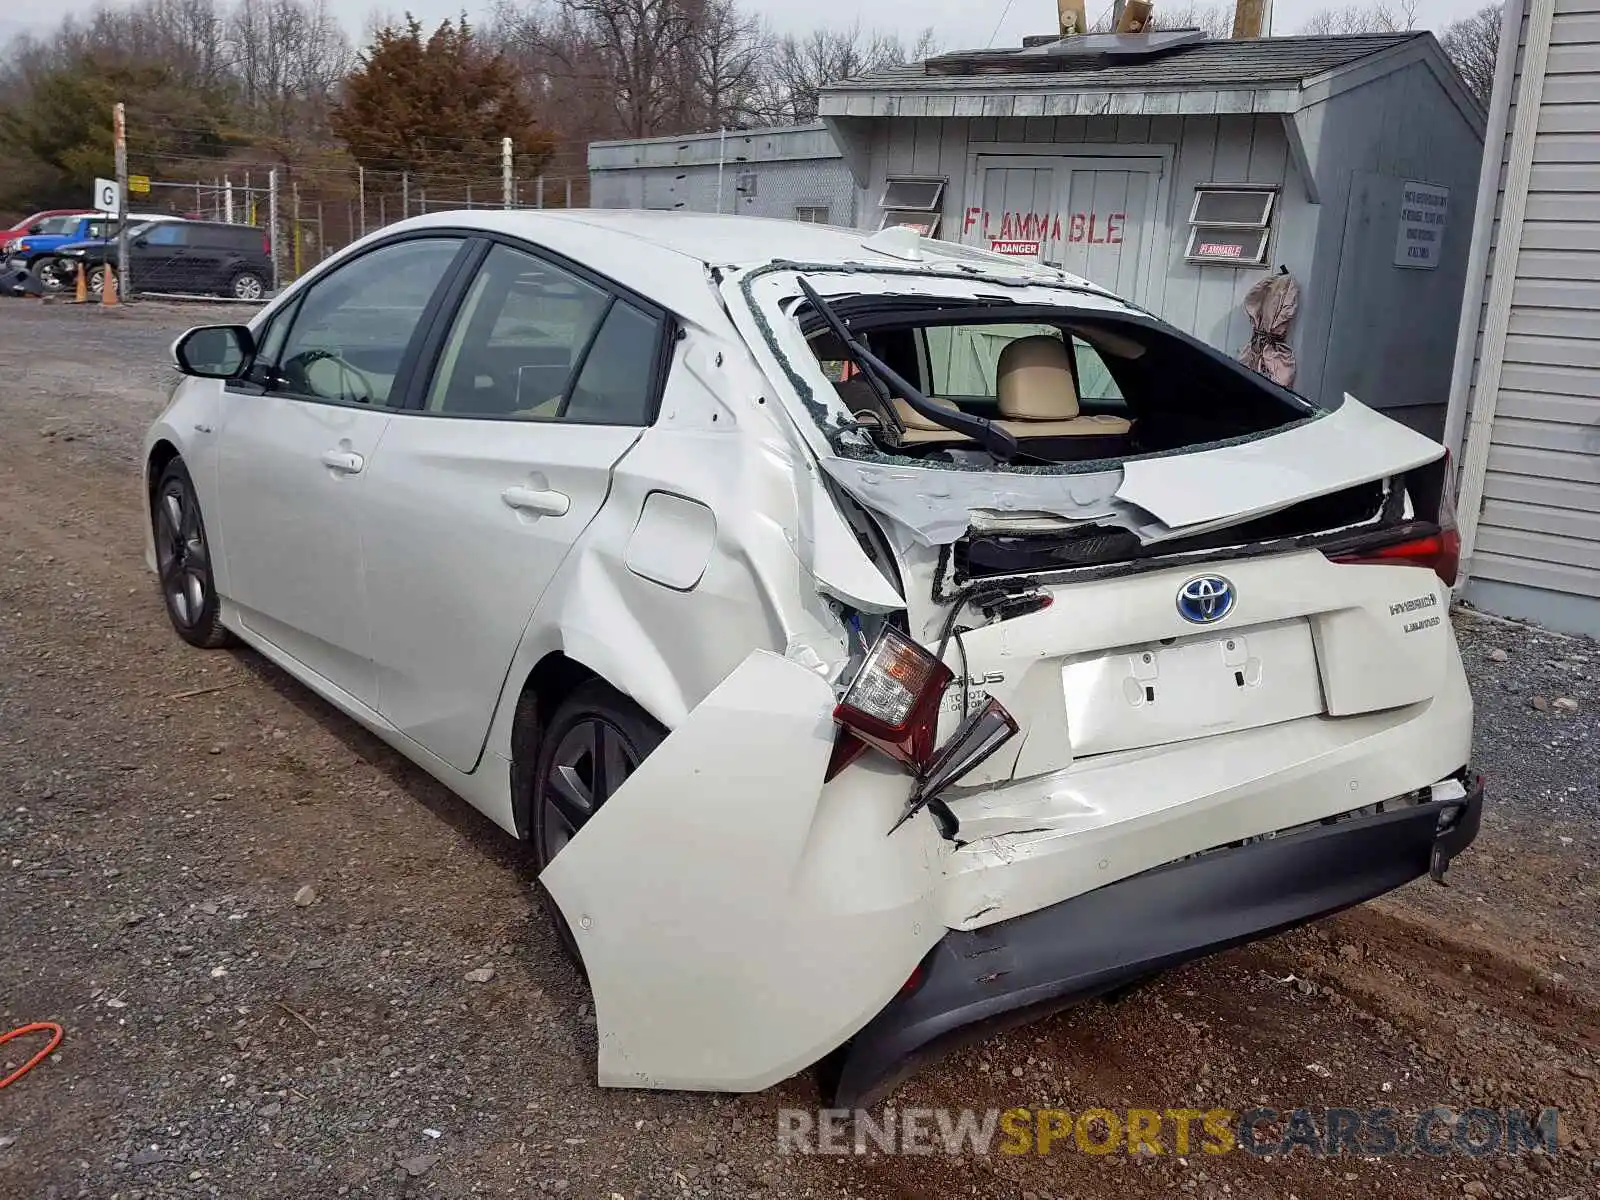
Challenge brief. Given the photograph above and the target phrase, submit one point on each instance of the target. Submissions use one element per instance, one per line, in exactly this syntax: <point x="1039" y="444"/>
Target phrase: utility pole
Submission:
<point x="361" y="190"/>
<point x="505" y="174"/>
<point x="272" y="222"/>
<point x="119" y="136"/>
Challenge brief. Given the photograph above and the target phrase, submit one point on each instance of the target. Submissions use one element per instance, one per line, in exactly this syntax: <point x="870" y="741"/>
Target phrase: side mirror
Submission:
<point x="35" y="229"/>
<point x="215" y="351"/>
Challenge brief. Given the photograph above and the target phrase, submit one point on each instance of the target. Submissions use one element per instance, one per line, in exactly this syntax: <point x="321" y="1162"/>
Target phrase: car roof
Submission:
<point x="646" y="250"/>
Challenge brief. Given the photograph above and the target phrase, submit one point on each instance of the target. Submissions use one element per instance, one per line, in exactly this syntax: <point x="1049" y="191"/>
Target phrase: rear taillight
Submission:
<point x="893" y="702"/>
<point x="1441" y="552"/>
<point x="266" y="245"/>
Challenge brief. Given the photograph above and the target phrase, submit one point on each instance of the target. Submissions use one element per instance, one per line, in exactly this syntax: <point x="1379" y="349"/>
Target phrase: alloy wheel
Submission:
<point x="247" y="287"/>
<point x="590" y="763"/>
<point x="182" y="557"/>
<point x="50" y="277"/>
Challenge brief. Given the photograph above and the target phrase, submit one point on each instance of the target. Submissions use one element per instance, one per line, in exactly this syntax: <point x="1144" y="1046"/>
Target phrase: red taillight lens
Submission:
<point x="266" y="245"/>
<point x="1440" y="551"/>
<point x="893" y="702"/>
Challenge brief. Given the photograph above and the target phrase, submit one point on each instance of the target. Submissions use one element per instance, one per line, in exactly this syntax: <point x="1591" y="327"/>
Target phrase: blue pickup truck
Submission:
<point x="37" y="252"/>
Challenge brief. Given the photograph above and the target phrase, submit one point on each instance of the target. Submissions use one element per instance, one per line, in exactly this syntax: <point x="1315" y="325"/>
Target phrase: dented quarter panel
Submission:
<point x="775" y="545"/>
<point x="737" y="918"/>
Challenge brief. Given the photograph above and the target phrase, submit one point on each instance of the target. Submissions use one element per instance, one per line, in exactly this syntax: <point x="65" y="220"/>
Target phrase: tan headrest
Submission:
<point x="1034" y="380"/>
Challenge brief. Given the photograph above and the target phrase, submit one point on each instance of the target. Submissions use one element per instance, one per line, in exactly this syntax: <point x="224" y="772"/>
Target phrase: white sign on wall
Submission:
<point x="107" y="196"/>
<point x="1424" y="208"/>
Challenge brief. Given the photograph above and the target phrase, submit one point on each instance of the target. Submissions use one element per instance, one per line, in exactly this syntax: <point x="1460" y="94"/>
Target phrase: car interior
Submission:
<point x="1068" y="389"/>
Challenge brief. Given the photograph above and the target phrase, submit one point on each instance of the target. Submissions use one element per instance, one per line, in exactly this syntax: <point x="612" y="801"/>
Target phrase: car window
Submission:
<point x="522" y="329"/>
<point x="164" y="233"/>
<point x="353" y="325"/>
<point x="1095" y="381"/>
<point x="101" y="231"/>
<point x="963" y="359"/>
<point x="51" y="226"/>
<point x="617" y="383"/>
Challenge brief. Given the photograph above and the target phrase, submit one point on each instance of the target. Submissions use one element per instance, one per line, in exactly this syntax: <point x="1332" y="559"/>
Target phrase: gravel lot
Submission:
<point x="257" y="925"/>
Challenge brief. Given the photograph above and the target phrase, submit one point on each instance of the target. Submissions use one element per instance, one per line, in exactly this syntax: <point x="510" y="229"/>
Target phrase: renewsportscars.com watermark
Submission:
<point x="1265" y="1132"/>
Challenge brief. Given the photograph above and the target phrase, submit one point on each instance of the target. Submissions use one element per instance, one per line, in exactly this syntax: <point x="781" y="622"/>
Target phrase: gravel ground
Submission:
<point x="291" y="965"/>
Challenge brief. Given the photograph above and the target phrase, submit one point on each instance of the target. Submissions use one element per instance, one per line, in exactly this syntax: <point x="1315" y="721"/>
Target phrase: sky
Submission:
<point x="957" y="24"/>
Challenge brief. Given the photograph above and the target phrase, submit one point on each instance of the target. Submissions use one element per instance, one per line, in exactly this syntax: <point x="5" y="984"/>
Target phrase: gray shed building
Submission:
<point x="1525" y="406"/>
<point x="793" y="172"/>
<point x="1180" y="171"/>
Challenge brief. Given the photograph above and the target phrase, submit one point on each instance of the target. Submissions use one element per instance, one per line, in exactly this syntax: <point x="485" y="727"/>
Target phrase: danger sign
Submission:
<point x="1016" y="249"/>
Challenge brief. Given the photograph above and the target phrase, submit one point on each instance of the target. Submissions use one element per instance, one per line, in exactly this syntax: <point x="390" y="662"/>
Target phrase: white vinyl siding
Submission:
<point x="1540" y="522"/>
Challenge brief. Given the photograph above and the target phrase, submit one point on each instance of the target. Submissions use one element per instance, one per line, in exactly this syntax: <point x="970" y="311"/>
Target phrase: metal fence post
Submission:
<point x="507" y="196"/>
<point x="272" y="224"/>
<point x="119" y="134"/>
<point x="361" y="190"/>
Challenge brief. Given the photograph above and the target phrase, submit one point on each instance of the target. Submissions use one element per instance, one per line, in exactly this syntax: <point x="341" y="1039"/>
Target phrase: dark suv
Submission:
<point x="187" y="257"/>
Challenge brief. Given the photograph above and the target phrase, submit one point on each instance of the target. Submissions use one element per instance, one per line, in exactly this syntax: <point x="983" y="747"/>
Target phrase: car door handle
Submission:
<point x="343" y="461"/>
<point x="537" y="500"/>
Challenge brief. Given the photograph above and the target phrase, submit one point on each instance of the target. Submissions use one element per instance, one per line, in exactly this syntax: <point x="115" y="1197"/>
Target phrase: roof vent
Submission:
<point x="1087" y="53"/>
<point x="897" y="241"/>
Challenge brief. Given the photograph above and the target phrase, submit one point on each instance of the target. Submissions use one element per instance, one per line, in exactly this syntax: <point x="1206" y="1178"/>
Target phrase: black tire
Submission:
<point x="183" y="560"/>
<point x="247" y="285"/>
<point x="50" y="274"/>
<point x="561" y="788"/>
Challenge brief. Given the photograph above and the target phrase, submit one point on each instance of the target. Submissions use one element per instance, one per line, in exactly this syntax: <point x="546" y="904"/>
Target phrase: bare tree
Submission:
<point x="1473" y="43"/>
<point x="1382" y="16"/>
<point x="800" y="67"/>
<point x="289" y="57"/>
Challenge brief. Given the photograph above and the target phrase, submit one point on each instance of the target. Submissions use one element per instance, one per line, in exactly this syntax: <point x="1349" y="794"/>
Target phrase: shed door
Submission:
<point x="1094" y="217"/>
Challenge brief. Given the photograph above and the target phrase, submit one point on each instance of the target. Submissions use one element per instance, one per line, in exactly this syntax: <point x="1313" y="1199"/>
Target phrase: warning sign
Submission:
<point x="1424" y="211"/>
<point x="1016" y="249"/>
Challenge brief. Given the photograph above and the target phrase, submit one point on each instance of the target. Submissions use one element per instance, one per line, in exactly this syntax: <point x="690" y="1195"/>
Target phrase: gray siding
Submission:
<point x="1537" y="549"/>
<point x="1232" y="148"/>
<point x="793" y="168"/>
<point x="1382" y="333"/>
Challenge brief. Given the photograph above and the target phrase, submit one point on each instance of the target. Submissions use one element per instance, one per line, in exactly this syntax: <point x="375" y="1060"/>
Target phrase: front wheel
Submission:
<point x="97" y="279"/>
<point x="183" y="560"/>
<point x="594" y="742"/>
<point x="51" y="274"/>
<point x="247" y="285"/>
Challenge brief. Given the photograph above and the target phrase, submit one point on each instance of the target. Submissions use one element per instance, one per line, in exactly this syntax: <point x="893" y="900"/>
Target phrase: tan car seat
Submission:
<point x="1037" y="396"/>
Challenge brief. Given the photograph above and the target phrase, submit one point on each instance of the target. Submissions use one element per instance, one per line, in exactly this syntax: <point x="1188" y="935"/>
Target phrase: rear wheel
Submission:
<point x="595" y="740"/>
<point x="97" y="279"/>
<point x="247" y="285"/>
<point x="183" y="560"/>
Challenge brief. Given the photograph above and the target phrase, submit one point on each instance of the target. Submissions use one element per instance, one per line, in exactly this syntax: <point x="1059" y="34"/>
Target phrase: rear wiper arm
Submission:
<point x="997" y="441"/>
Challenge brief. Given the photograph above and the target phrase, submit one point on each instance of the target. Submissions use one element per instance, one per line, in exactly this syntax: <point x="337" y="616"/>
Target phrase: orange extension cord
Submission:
<point x="56" y="1033"/>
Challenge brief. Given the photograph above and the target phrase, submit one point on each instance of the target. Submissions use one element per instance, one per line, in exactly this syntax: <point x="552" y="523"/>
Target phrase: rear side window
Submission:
<point x="617" y="383"/>
<point x="167" y="233"/>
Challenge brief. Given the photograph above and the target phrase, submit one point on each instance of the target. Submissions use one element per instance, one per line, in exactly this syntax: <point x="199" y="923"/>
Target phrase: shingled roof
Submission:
<point x="1248" y="63"/>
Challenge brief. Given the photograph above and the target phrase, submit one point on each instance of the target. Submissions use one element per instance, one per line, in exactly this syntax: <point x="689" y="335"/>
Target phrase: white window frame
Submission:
<point x="912" y="216"/>
<point x="937" y="183"/>
<point x="1232" y="230"/>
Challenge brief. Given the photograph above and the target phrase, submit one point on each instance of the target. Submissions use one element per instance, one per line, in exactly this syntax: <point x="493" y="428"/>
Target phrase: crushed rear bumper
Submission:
<point x="976" y="981"/>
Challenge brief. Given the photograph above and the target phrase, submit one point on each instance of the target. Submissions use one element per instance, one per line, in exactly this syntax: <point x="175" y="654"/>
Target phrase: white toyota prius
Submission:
<point x="876" y="639"/>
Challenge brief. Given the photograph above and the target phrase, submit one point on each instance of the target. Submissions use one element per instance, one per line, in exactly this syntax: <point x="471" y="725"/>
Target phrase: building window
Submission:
<point x="1231" y="225"/>
<point x="912" y="202"/>
<point x="812" y="214"/>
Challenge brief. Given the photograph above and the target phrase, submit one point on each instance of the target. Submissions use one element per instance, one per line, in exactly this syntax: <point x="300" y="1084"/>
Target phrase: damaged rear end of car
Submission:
<point x="1139" y="657"/>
